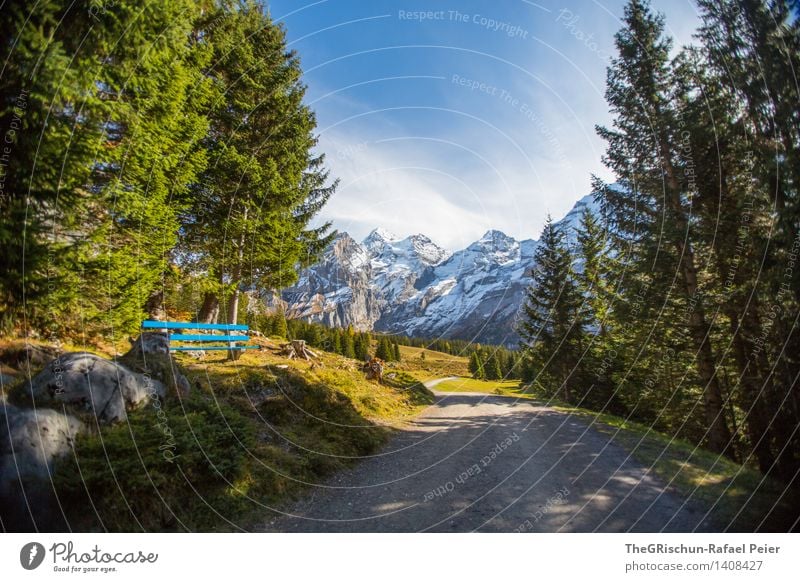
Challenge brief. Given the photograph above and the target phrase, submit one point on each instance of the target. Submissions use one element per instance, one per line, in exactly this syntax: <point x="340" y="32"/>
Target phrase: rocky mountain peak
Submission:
<point x="379" y="237"/>
<point x="412" y="286"/>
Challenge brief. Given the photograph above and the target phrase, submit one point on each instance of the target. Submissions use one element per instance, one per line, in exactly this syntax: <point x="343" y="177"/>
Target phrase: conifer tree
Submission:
<point x="553" y="322"/>
<point x="492" y="368"/>
<point x="107" y="149"/>
<point x="280" y="328"/>
<point x="336" y="341"/>
<point x="384" y="350"/>
<point x="362" y="346"/>
<point x="652" y="207"/>
<point x="248" y="224"/>
<point x="348" y="347"/>
<point x="475" y="365"/>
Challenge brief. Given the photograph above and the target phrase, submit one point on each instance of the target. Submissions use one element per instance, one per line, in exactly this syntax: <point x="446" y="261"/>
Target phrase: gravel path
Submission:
<point x="476" y="462"/>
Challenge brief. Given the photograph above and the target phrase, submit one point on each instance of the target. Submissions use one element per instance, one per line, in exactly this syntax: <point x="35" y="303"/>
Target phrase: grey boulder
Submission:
<point x="150" y="353"/>
<point x="31" y="440"/>
<point x="149" y="343"/>
<point x="102" y="387"/>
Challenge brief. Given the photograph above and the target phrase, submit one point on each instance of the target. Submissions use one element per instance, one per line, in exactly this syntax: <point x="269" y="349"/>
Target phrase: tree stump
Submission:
<point x="297" y="349"/>
<point x="374" y="369"/>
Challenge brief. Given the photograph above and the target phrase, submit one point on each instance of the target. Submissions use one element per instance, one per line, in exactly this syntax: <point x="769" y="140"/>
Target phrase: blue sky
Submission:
<point x="451" y="118"/>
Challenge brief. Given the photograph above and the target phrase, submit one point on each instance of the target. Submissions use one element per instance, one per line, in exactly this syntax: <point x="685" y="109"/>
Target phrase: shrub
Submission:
<point x="165" y="469"/>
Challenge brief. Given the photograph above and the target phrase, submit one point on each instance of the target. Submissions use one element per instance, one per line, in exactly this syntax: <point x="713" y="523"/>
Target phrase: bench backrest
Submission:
<point x="150" y="324"/>
<point x="229" y="338"/>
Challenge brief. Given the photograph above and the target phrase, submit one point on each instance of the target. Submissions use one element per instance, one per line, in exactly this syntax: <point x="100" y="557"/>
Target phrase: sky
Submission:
<point x="452" y="118"/>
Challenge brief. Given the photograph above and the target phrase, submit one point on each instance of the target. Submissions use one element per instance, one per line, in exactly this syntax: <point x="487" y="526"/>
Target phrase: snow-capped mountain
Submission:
<point x="412" y="286"/>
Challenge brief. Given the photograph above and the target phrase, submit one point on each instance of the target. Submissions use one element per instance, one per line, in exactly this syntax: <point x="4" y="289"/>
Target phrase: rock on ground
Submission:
<point x="31" y="440"/>
<point x="103" y="387"/>
<point x="149" y="343"/>
<point x="150" y="354"/>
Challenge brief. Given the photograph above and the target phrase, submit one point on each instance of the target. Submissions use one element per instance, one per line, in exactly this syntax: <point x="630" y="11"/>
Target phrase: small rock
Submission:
<point x="149" y="343"/>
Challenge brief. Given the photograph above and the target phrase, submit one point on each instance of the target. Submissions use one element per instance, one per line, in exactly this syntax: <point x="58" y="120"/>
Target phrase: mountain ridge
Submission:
<point x="412" y="286"/>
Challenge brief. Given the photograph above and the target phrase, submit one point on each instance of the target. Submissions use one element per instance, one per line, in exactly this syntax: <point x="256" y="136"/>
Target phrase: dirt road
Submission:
<point x="473" y="462"/>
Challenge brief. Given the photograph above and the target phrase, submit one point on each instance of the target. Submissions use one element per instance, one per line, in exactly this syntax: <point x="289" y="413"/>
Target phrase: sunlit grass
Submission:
<point x="500" y="387"/>
<point x="432" y="365"/>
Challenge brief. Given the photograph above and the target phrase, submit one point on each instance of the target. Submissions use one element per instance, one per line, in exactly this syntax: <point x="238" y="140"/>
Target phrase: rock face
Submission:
<point x="95" y="385"/>
<point x="31" y="440"/>
<point x="413" y="287"/>
<point x="338" y="291"/>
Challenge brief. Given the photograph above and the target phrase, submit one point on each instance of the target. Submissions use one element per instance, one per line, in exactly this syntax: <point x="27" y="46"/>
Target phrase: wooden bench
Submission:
<point x="227" y="337"/>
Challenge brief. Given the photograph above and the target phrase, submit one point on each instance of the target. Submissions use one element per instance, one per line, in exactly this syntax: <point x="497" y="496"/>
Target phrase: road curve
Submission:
<point x="477" y="462"/>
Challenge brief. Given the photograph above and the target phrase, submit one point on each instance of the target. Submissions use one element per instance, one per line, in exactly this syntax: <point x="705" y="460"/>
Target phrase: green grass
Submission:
<point x="434" y="365"/>
<point x="500" y="387"/>
<point x="253" y="433"/>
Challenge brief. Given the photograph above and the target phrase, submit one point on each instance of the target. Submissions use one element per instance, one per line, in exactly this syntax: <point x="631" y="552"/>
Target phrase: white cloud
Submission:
<point x="472" y="161"/>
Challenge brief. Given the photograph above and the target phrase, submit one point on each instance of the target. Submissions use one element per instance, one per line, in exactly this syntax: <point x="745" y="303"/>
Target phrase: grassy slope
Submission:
<point x="501" y="387"/>
<point x="252" y="433"/>
<point x="434" y="364"/>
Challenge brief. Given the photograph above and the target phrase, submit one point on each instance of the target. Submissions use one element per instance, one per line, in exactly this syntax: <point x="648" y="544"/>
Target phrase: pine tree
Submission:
<point x="110" y="139"/>
<point x="280" y="328"/>
<point x="348" y="347"/>
<point x="554" y="319"/>
<point x="362" y="347"/>
<point x="492" y="368"/>
<point x="38" y="87"/>
<point x="652" y="207"/>
<point x="477" y="365"/>
<point x="263" y="184"/>
<point x="474" y="365"/>
<point x="313" y="335"/>
<point x="336" y="341"/>
<point x="396" y="352"/>
<point x="743" y="125"/>
<point x="384" y="350"/>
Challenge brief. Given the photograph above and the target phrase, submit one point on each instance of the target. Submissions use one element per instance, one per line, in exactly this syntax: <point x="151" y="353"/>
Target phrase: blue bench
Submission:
<point x="227" y="337"/>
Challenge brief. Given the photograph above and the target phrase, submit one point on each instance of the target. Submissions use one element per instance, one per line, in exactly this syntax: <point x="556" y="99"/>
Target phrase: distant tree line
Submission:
<point x="495" y="362"/>
<point x="678" y="306"/>
<point x="490" y="363"/>
<point x="149" y="145"/>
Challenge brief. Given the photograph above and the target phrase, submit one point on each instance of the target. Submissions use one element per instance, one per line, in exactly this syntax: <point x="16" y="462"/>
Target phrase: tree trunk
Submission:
<point x="719" y="435"/>
<point x="757" y="419"/>
<point x="209" y="311"/>
<point x="236" y="277"/>
<point x="155" y="306"/>
<point x="233" y="307"/>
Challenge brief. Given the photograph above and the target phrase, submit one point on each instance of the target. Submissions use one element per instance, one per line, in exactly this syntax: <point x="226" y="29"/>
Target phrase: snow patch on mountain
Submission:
<point x="414" y="287"/>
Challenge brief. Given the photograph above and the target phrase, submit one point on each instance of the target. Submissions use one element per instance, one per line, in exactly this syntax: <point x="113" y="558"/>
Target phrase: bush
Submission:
<point x="165" y="469"/>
